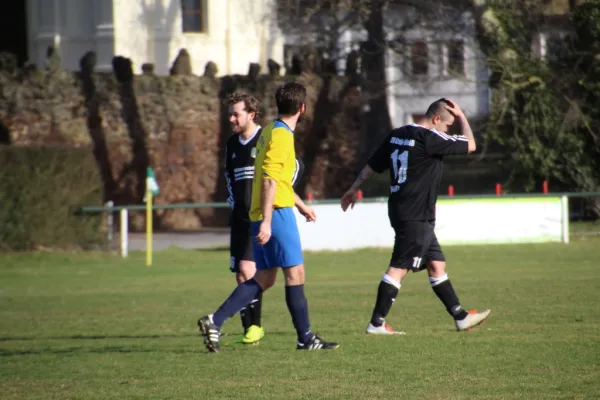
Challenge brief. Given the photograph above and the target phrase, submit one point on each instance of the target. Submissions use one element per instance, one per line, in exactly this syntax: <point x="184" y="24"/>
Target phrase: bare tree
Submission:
<point x="380" y="34"/>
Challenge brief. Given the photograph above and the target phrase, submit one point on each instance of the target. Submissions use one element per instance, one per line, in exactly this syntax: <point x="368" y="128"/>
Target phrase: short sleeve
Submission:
<point x="439" y="143"/>
<point x="298" y="172"/>
<point x="379" y="160"/>
<point x="277" y="153"/>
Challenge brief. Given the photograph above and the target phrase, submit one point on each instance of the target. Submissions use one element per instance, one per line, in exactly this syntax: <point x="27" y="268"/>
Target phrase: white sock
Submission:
<point x="388" y="279"/>
<point x="436" y="281"/>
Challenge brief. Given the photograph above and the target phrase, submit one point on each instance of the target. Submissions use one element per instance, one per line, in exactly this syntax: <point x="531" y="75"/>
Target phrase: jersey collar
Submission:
<point x="286" y="125"/>
<point x="245" y="142"/>
<point x="429" y="129"/>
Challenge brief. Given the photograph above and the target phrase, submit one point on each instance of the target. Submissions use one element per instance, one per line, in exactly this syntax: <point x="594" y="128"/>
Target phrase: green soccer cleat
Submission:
<point x="253" y="335"/>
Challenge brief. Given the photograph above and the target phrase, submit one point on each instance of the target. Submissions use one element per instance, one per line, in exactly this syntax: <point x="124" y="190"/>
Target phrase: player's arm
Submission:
<point x="444" y="144"/>
<point x="305" y="210"/>
<point x="465" y="127"/>
<point x="276" y="155"/>
<point x="298" y="172"/>
<point x="349" y="198"/>
<point x="267" y="197"/>
<point x="363" y="175"/>
<point x="378" y="162"/>
<point x="466" y="131"/>
<point x="230" y="198"/>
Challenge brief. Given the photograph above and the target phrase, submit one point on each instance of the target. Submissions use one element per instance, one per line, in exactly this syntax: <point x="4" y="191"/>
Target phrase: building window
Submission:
<point x="556" y="47"/>
<point x="419" y="59"/>
<point x="456" y="58"/>
<point x="193" y="14"/>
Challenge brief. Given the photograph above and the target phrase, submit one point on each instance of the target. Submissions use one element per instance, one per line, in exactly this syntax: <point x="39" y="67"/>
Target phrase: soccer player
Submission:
<point x="277" y="240"/>
<point x="240" y="152"/>
<point x="414" y="154"/>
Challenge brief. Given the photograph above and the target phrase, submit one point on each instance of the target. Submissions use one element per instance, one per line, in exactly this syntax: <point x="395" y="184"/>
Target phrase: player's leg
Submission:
<point x="252" y="311"/>
<point x="248" y="267"/>
<point x="442" y="287"/>
<point x="406" y="255"/>
<point x="240" y="234"/>
<point x="265" y="276"/>
<point x="284" y="249"/>
<point x="210" y="325"/>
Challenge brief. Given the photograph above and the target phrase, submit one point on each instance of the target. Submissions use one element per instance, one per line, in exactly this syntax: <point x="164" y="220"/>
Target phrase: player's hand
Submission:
<point x="454" y="109"/>
<point x="264" y="233"/>
<point x="308" y="213"/>
<point x="349" y="199"/>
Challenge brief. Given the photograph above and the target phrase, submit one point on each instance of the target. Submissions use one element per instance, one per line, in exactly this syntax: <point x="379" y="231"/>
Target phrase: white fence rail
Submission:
<point x="460" y="220"/>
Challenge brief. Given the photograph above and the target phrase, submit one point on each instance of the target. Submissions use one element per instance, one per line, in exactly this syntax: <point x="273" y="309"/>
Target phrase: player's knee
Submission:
<point x="397" y="274"/>
<point x="436" y="268"/>
<point x="294" y="275"/>
<point x="240" y="278"/>
<point x="266" y="278"/>
<point x="247" y="270"/>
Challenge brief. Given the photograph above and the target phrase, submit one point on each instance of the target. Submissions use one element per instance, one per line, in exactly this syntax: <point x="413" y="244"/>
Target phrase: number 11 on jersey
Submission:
<point x="400" y="165"/>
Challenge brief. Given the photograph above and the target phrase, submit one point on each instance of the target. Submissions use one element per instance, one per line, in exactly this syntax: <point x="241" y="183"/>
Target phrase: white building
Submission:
<point x="424" y="62"/>
<point x="431" y="65"/>
<point x="232" y="33"/>
<point x="426" y="65"/>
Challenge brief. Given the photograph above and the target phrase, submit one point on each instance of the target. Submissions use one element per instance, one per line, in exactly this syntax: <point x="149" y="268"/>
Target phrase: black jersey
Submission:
<point x="239" y="172"/>
<point x="414" y="157"/>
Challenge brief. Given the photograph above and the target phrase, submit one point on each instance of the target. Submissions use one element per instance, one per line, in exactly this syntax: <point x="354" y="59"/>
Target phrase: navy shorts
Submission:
<point x="283" y="248"/>
<point x="240" y="244"/>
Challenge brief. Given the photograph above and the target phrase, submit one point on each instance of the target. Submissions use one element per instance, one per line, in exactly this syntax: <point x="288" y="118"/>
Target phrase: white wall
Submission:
<point x="236" y="35"/>
<point x="238" y="32"/>
<point x="73" y="27"/>
<point x="459" y="221"/>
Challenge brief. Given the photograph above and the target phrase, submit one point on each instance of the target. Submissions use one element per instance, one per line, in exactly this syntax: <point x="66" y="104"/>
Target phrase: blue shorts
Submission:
<point x="283" y="248"/>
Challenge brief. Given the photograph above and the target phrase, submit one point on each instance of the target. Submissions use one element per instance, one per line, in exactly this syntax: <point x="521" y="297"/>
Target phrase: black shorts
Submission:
<point x="240" y="244"/>
<point x="415" y="245"/>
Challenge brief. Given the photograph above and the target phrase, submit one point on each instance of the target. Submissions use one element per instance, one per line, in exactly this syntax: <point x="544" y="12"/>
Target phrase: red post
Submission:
<point x="545" y="187"/>
<point x="450" y="190"/>
<point x="309" y="196"/>
<point x="359" y="194"/>
<point x="498" y="189"/>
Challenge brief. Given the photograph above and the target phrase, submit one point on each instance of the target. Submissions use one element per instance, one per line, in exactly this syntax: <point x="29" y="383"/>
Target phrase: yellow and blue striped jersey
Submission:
<point x="275" y="159"/>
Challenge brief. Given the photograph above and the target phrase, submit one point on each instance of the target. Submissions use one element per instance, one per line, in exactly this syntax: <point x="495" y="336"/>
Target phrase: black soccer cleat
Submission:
<point x="316" y="343"/>
<point x="211" y="334"/>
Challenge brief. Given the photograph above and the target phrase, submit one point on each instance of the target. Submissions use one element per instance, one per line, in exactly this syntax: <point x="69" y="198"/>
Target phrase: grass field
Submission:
<point x="92" y="326"/>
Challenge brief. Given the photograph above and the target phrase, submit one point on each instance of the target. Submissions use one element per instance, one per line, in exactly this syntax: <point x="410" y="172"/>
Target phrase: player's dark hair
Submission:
<point x="438" y="107"/>
<point x="289" y="98"/>
<point x="251" y="103"/>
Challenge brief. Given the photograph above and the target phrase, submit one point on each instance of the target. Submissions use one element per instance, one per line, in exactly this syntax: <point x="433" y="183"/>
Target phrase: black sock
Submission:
<point x="246" y="317"/>
<point x="298" y="307"/>
<point x="255" y="309"/>
<point x="386" y="295"/>
<point x="445" y="292"/>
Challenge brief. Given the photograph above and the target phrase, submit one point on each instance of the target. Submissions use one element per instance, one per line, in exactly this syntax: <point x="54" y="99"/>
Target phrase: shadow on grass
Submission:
<point x="213" y="249"/>
<point x="110" y="337"/>
<point x="92" y="337"/>
<point x="100" y="350"/>
<point x="197" y="349"/>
